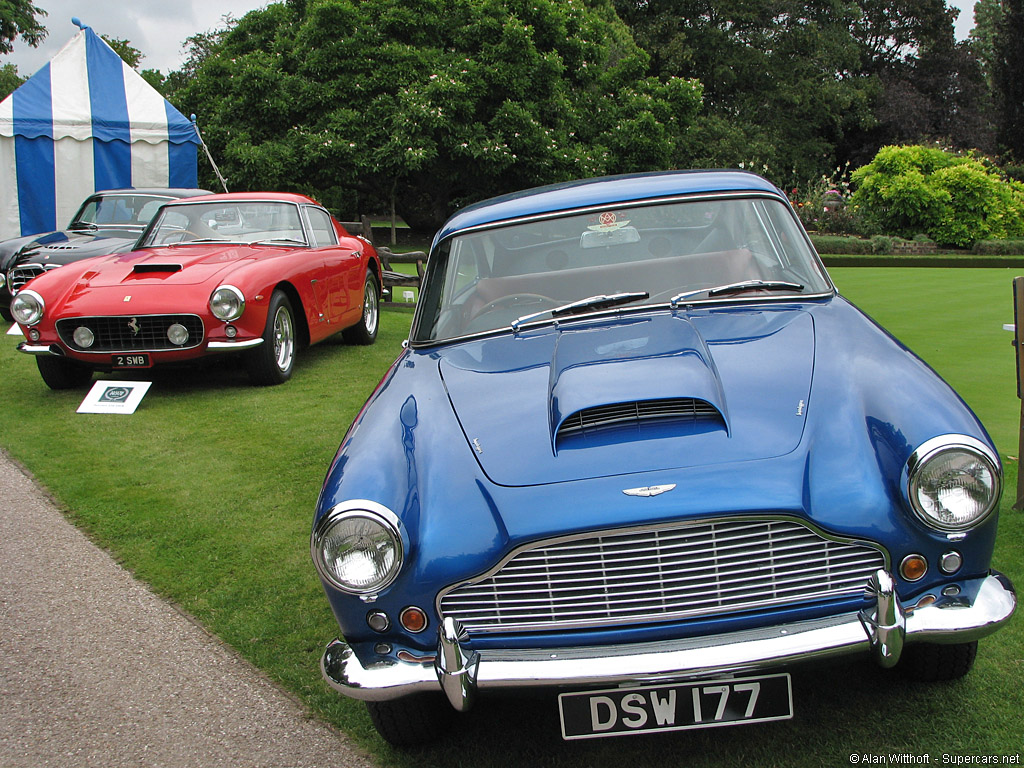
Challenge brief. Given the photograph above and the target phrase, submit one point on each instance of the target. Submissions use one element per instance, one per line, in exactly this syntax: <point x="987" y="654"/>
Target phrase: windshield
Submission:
<point x="130" y="212"/>
<point x="234" y="222"/>
<point x="673" y="253"/>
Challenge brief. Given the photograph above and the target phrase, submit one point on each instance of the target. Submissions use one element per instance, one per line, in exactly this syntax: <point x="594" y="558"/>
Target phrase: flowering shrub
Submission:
<point x="825" y="205"/>
<point x="954" y="199"/>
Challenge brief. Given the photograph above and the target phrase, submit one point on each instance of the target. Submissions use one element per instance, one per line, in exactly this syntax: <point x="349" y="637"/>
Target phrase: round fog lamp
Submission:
<point x="230" y="331"/>
<point x="951" y="562"/>
<point x="378" y="621"/>
<point x="177" y="334"/>
<point x="84" y="337"/>
<point x="413" y="619"/>
<point x="913" y="567"/>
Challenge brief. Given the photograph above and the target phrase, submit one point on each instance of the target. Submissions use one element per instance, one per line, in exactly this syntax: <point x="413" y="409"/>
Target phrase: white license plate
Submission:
<point x="675" y="707"/>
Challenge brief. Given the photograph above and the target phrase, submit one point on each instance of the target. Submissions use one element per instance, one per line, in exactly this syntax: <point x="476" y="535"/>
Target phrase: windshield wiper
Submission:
<point x="85" y="226"/>
<point x="600" y="301"/>
<point x="284" y="240"/>
<point x="203" y="241"/>
<point x="740" y="287"/>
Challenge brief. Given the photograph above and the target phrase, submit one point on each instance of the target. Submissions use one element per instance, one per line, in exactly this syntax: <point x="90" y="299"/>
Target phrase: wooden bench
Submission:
<point x="390" y="277"/>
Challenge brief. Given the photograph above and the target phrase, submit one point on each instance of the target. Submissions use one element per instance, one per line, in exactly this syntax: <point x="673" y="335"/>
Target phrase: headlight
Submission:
<point x="28" y="307"/>
<point x="227" y="303"/>
<point x="357" y="547"/>
<point x="3" y="279"/>
<point x="952" y="482"/>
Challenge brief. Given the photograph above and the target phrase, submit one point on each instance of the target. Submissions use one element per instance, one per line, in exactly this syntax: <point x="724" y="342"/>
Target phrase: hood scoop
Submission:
<point x="637" y="420"/>
<point x="149" y="268"/>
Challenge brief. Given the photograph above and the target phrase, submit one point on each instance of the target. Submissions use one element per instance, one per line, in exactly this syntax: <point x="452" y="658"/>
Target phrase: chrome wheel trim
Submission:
<point x="284" y="339"/>
<point x="371" y="312"/>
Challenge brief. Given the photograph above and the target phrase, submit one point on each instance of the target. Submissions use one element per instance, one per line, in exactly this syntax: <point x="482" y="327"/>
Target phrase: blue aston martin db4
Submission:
<point x="638" y="451"/>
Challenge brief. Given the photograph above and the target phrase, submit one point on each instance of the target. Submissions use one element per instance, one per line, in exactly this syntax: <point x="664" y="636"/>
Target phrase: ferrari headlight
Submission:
<point x="357" y="547"/>
<point x="953" y="482"/>
<point x="28" y="307"/>
<point x="227" y="303"/>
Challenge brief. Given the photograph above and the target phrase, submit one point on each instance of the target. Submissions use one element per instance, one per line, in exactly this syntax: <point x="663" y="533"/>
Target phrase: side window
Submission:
<point x="321" y="227"/>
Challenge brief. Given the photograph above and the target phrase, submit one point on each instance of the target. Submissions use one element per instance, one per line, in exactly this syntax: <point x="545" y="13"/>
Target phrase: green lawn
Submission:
<point x="207" y="493"/>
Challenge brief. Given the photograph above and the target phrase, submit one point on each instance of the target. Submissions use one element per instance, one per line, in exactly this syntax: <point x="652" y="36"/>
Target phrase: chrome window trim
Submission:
<point x="200" y="200"/>
<point x="568" y="212"/>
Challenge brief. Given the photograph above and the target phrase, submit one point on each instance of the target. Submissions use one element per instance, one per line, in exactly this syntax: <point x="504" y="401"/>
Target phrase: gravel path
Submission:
<point x="95" y="670"/>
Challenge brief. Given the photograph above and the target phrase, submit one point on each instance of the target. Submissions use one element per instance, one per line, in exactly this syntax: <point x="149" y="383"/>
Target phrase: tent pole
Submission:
<point x="216" y="170"/>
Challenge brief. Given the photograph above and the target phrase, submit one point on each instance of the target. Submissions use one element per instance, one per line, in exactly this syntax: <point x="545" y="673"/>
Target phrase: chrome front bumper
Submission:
<point x="213" y="346"/>
<point x="460" y="671"/>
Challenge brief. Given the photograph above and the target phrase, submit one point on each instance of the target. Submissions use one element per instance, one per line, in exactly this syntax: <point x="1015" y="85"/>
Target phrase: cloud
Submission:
<point x="158" y="28"/>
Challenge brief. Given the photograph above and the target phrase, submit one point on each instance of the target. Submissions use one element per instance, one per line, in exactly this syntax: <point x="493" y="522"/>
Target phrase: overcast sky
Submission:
<point x="158" y="28"/>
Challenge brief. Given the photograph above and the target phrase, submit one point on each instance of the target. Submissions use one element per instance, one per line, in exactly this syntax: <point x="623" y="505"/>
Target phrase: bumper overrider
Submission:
<point x="881" y="630"/>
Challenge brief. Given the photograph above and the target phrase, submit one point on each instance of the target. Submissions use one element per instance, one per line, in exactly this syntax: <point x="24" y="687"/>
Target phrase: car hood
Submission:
<point x="191" y="265"/>
<point x="62" y="248"/>
<point x="653" y="392"/>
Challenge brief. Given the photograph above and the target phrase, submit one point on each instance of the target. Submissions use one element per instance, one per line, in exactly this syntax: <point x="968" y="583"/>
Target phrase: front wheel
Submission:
<point x="932" y="662"/>
<point x="365" y="332"/>
<point x="411" y="721"/>
<point x="272" y="361"/>
<point x="61" y="373"/>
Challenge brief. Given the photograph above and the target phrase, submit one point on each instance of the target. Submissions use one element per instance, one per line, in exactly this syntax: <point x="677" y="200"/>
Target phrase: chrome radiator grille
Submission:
<point x="20" y="274"/>
<point x="642" y="576"/>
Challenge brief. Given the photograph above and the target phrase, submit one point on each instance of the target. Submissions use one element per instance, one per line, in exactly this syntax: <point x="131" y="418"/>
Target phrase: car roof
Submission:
<point x="173" y="192"/>
<point x="283" y="197"/>
<point x="603" y="191"/>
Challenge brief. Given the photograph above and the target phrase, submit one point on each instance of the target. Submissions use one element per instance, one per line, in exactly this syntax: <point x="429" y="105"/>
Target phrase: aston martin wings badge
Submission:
<point x="651" y="490"/>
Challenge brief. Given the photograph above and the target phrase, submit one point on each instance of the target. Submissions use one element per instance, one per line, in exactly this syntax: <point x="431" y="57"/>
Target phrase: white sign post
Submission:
<point x="114" y="397"/>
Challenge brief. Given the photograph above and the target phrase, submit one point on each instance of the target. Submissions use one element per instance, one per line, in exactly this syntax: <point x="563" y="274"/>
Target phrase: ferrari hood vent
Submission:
<point x="149" y="267"/>
<point x="684" y="411"/>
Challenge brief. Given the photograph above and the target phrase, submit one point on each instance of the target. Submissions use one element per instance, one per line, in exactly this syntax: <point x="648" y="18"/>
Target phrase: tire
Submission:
<point x="272" y="361"/>
<point x="61" y="373"/>
<point x="411" y="721"/>
<point x="365" y="332"/>
<point x="932" y="663"/>
<point x="5" y="313"/>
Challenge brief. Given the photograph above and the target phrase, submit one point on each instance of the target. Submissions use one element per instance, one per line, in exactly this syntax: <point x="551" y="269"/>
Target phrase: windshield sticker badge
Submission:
<point x="608" y="221"/>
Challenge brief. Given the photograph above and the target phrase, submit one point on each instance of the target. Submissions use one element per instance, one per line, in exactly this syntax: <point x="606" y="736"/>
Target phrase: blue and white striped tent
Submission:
<point x="84" y="122"/>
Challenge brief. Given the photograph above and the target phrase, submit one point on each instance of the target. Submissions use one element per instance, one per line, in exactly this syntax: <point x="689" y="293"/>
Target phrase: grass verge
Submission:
<point x="207" y="494"/>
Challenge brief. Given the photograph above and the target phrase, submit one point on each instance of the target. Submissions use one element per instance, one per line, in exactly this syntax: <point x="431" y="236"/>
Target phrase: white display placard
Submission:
<point x="114" y="397"/>
<point x="14" y="330"/>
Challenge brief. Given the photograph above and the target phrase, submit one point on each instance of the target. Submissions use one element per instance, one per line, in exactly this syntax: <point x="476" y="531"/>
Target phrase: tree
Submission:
<point x="129" y="54"/>
<point x="1008" y="64"/>
<point x="9" y="80"/>
<point x="18" y="19"/>
<point x="433" y="103"/>
<point x="781" y="78"/>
